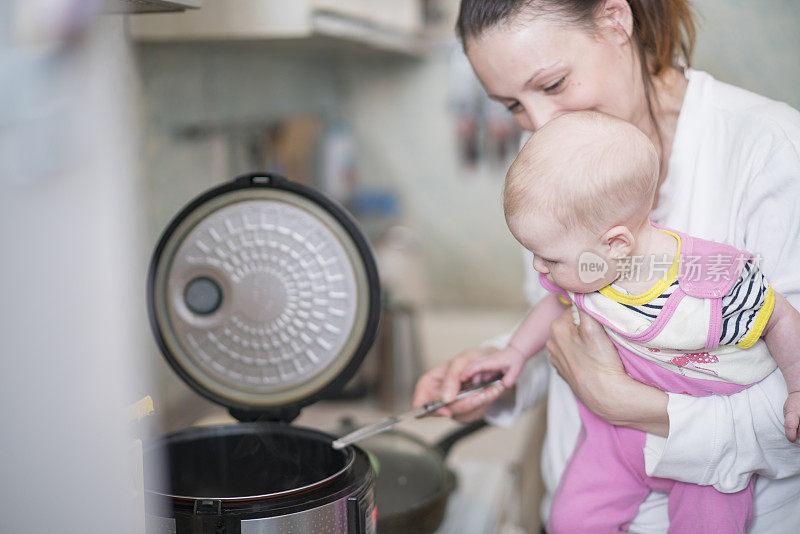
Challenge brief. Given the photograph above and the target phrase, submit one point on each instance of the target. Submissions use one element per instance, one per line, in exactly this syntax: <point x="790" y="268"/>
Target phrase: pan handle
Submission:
<point x="446" y="443"/>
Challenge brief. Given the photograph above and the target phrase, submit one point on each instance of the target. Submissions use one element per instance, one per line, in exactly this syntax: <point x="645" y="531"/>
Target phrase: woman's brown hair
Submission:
<point x="663" y="30"/>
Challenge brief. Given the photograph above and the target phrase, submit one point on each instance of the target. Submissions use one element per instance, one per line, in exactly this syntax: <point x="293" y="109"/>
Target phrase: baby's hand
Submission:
<point x="508" y="362"/>
<point x="791" y="412"/>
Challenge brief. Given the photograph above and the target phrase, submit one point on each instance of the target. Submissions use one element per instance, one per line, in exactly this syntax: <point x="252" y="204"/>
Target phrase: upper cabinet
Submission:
<point x="388" y="24"/>
<point x="148" y="6"/>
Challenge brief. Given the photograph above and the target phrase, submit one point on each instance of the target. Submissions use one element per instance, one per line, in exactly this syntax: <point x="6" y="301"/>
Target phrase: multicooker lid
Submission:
<point x="263" y="295"/>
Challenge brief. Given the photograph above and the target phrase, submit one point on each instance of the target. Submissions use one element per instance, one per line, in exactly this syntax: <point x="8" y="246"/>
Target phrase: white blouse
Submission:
<point x="734" y="177"/>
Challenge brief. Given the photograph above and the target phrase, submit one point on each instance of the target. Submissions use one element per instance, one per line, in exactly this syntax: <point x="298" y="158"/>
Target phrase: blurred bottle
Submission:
<point x="338" y="158"/>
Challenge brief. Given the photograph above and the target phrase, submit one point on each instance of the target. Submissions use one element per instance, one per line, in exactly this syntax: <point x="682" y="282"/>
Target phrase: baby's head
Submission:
<point x="583" y="184"/>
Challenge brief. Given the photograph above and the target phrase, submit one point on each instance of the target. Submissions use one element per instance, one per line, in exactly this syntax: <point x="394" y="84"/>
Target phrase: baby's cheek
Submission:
<point x="567" y="272"/>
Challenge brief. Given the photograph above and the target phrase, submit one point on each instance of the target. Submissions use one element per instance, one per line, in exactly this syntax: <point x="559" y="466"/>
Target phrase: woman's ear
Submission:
<point x="616" y="18"/>
<point x="619" y="242"/>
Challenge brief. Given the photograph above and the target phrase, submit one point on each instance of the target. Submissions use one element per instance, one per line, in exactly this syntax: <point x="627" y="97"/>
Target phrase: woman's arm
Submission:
<point x="722" y="440"/>
<point x="589" y="362"/>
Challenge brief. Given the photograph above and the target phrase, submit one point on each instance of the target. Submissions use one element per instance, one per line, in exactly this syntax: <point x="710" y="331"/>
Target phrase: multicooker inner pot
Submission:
<point x="263" y="296"/>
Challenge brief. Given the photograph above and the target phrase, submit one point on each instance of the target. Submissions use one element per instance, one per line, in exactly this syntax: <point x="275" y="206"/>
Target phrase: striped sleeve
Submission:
<point x="654" y="307"/>
<point x="746" y="308"/>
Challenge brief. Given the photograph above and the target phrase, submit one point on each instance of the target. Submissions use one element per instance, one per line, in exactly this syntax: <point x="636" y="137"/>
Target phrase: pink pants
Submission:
<point x="605" y="481"/>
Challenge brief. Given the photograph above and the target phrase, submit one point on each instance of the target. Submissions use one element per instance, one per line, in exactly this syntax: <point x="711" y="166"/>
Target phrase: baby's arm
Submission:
<point x="781" y="335"/>
<point x="529" y="338"/>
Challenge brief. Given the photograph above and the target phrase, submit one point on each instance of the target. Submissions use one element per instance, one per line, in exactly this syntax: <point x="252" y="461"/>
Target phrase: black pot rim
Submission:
<point x="195" y="433"/>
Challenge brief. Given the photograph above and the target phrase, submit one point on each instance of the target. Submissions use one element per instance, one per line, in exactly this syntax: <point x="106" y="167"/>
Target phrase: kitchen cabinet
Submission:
<point x="149" y="6"/>
<point x="395" y="25"/>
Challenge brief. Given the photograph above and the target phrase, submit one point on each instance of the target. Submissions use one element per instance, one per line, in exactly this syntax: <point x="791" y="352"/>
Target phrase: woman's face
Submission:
<point x="540" y="69"/>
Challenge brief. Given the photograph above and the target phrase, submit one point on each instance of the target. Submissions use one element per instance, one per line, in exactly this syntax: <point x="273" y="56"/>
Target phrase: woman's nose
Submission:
<point x="537" y="114"/>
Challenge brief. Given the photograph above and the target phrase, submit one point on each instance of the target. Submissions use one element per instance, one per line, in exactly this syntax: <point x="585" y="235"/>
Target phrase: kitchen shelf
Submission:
<point x="391" y="25"/>
<point x="148" y="6"/>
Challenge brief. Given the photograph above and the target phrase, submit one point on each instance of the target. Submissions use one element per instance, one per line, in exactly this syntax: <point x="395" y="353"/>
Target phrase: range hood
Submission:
<point x="149" y="6"/>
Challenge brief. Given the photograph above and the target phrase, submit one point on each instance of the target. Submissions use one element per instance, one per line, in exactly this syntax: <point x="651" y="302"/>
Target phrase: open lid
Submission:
<point x="263" y="296"/>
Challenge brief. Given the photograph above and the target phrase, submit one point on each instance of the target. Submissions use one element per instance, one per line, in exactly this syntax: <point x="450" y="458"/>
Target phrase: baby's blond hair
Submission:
<point x="586" y="169"/>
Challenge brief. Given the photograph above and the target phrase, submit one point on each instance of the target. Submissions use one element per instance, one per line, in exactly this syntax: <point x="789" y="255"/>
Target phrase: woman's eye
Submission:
<point x="516" y="106"/>
<point x="555" y="86"/>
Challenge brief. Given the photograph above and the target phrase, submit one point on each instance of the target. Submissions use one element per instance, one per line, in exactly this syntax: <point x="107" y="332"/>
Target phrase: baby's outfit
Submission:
<point x="696" y="332"/>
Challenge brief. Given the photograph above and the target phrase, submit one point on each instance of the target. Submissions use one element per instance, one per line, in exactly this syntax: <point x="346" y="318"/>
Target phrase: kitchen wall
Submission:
<point x="400" y="111"/>
<point x="754" y="45"/>
<point x="216" y="85"/>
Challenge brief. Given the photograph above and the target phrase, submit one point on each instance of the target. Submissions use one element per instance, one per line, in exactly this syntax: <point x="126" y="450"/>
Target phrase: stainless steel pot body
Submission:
<point x="257" y="478"/>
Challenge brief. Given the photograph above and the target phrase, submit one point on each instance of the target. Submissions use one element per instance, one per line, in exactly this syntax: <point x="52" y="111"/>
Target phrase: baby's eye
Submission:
<point x="514" y="107"/>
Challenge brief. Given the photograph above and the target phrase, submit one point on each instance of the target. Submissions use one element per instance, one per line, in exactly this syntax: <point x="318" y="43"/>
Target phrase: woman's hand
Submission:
<point x="589" y="362"/>
<point x="444" y="382"/>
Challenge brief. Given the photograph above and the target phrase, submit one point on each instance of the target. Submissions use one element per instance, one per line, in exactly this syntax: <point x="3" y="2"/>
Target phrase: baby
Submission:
<point x="687" y="315"/>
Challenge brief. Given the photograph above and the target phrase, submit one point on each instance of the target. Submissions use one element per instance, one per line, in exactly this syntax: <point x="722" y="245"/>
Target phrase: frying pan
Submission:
<point x="413" y="482"/>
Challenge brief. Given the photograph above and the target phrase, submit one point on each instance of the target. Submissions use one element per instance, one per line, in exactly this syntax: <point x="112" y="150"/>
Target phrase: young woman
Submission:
<point x="730" y="171"/>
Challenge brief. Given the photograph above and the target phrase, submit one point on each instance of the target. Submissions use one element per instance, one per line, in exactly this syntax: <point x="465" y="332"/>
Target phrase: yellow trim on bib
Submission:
<point x="761" y="321"/>
<point x="563" y="300"/>
<point x="653" y="292"/>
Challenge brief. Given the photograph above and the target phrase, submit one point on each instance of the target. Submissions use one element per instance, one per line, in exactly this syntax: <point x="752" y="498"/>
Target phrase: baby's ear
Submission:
<point x="620" y="242"/>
